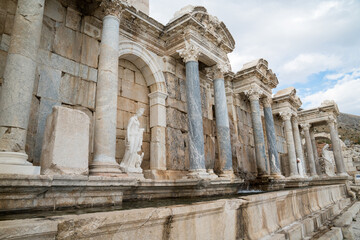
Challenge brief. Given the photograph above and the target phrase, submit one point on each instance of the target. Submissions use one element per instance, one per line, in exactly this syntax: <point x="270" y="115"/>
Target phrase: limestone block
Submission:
<point x="3" y="56"/>
<point x="93" y="74"/>
<point x="178" y="105"/>
<point x="120" y="149"/>
<point x="45" y="109"/>
<point x="54" y="10"/>
<point x="61" y="63"/>
<point x="126" y="104"/>
<point x="139" y="78"/>
<point x="47" y="34"/>
<point x="90" y="51"/>
<point x="49" y="82"/>
<point x="2" y="21"/>
<point x="145" y="107"/>
<point x="209" y="152"/>
<point x="175" y="146"/>
<point x="158" y="134"/>
<point x="9" y="23"/>
<point x="134" y="91"/>
<point x="32" y="129"/>
<point x="180" y="70"/>
<point x="67" y="43"/>
<point x="334" y="234"/>
<point x="128" y="75"/>
<point x="157" y="155"/>
<point x="182" y="84"/>
<point x="91" y="27"/>
<point x="176" y="119"/>
<point x="66" y="143"/>
<point x="5" y="42"/>
<point x="73" y="19"/>
<point x="83" y="71"/>
<point x="158" y="115"/>
<point x="209" y="127"/>
<point x="172" y="84"/>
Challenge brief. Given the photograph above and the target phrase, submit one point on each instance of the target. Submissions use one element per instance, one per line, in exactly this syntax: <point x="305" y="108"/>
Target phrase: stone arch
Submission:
<point x="147" y="63"/>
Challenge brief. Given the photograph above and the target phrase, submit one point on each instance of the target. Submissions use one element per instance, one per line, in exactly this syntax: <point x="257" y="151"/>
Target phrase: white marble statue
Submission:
<point x="328" y="161"/>
<point x="134" y="136"/>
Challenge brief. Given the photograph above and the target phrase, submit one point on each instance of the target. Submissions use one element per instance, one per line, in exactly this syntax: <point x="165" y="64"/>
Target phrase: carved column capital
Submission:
<point x="254" y="93"/>
<point x="189" y="53"/>
<point x="331" y="120"/>
<point x="286" y="115"/>
<point x="305" y="126"/>
<point x="114" y="7"/>
<point x="217" y="71"/>
<point x="267" y="101"/>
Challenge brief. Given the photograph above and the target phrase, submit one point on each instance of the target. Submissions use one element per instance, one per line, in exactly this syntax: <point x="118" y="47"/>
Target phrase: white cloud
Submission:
<point x="345" y="93"/>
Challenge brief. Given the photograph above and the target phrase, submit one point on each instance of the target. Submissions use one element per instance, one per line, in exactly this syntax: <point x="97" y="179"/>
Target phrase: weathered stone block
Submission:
<point x="139" y="78"/>
<point x="176" y="119"/>
<point x="3" y="56"/>
<point x="67" y="43"/>
<point x="126" y="104"/>
<point x="5" y="42"/>
<point x="73" y="19"/>
<point x="92" y="27"/>
<point x="120" y="149"/>
<point x="2" y="21"/>
<point x="90" y="51"/>
<point x="134" y="91"/>
<point x="45" y="110"/>
<point x="63" y="64"/>
<point x="9" y="23"/>
<point x="178" y="105"/>
<point x="49" y="83"/>
<point x="54" y="10"/>
<point x="66" y="143"/>
<point x="175" y="146"/>
<point x="47" y="34"/>
<point x="172" y="84"/>
<point x="209" y="152"/>
<point x="129" y="75"/>
<point x="158" y="115"/>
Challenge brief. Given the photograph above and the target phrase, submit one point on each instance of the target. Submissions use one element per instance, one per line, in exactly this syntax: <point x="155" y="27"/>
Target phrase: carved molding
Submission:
<point x="190" y="52"/>
<point x="114" y="7"/>
<point x="254" y="93"/>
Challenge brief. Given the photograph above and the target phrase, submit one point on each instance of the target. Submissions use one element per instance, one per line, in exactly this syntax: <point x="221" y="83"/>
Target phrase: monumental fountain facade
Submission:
<point x="73" y="77"/>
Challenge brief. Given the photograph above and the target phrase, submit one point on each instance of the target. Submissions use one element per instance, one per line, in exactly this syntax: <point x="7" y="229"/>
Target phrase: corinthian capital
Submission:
<point x="254" y="93"/>
<point x="305" y="126"/>
<point x="190" y="52"/>
<point x="331" y="120"/>
<point x="217" y="71"/>
<point x="286" y="115"/>
<point x="267" y="102"/>
<point x="114" y="7"/>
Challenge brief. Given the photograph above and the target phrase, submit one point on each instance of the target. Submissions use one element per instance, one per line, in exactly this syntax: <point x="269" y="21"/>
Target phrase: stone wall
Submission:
<point x="246" y="163"/>
<point x="132" y="95"/>
<point x="281" y="145"/>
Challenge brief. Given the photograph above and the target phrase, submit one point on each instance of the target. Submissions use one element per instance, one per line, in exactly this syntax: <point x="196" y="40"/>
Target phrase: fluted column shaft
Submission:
<point x="271" y="137"/>
<point x="310" y="153"/>
<point x="261" y="164"/>
<point x="298" y="145"/>
<point x="18" y="85"/>
<point x="290" y="144"/>
<point x="104" y="162"/>
<point x="339" y="161"/>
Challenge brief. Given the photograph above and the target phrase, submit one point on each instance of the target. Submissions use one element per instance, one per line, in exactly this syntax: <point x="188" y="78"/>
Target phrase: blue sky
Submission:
<point x="313" y="45"/>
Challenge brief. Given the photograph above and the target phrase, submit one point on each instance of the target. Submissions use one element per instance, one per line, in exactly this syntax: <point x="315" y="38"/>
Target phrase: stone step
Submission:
<point x="334" y="234"/>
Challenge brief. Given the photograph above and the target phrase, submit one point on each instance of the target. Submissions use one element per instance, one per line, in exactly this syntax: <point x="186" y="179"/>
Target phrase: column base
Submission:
<point x="211" y="173"/>
<point x="343" y="174"/>
<point x="276" y="176"/>
<point x="294" y="176"/>
<point x="228" y="174"/>
<point x="198" y="174"/>
<point x="105" y="169"/>
<point x="16" y="163"/>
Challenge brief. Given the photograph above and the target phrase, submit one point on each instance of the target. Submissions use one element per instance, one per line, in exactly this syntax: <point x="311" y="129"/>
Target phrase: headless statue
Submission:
<point x="134" y="136"/>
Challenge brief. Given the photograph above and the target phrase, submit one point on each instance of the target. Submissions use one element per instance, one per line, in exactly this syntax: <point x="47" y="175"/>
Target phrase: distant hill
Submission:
<point x="349" y="127"/>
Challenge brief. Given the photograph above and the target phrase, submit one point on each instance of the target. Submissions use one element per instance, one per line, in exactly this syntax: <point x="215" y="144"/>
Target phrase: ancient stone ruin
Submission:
<point x="187" y="165"/>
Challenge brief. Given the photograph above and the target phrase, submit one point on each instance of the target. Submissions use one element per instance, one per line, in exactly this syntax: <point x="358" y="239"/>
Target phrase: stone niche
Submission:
<point x="66" y="143"/>
<point x="132" y="95"/>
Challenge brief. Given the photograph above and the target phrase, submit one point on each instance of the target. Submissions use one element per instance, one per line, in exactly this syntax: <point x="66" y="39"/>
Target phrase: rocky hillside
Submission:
<point x="349" y="127"/>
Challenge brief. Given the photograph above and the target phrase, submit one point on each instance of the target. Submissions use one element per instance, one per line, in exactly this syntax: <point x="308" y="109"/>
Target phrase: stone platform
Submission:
<point x="19" y="192"/>
<point x="288" y="214"/>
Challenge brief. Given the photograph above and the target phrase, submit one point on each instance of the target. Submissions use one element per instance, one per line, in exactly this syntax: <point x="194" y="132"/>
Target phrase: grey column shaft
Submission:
<point x="310" y="153"/>
<point x="290" y="148"/>
<point x="315" y="153"/>
<point x="19" y="75"/>
<point x="336" y="149"/>
<point x="258" y="138"/>
<point x="106" y="92"/>
<point x="196" y="133"/>
<point x="298" y="145"/>
<point x="222" y="124"/>
<point x="272" y="144"/>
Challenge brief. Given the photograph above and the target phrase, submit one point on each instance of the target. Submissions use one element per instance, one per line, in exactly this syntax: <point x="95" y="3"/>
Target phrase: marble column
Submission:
<point x="222" y="121"/>
<point x="271" y="137"/>
<point x="335" y="141"/>
<point x="190" y="56"/>
<point x="286" y="116"/>
<point x="298" y="146"/>
<point x="254" y="95"/>
<point x="309" y="149"/>
<point x="17" y="88"/>
<point x="104" y="162"/>
<point x="315" y="153"/>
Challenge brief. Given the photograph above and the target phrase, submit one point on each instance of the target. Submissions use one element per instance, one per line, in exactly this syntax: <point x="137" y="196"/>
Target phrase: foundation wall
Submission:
<point x="291" y="214"/>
